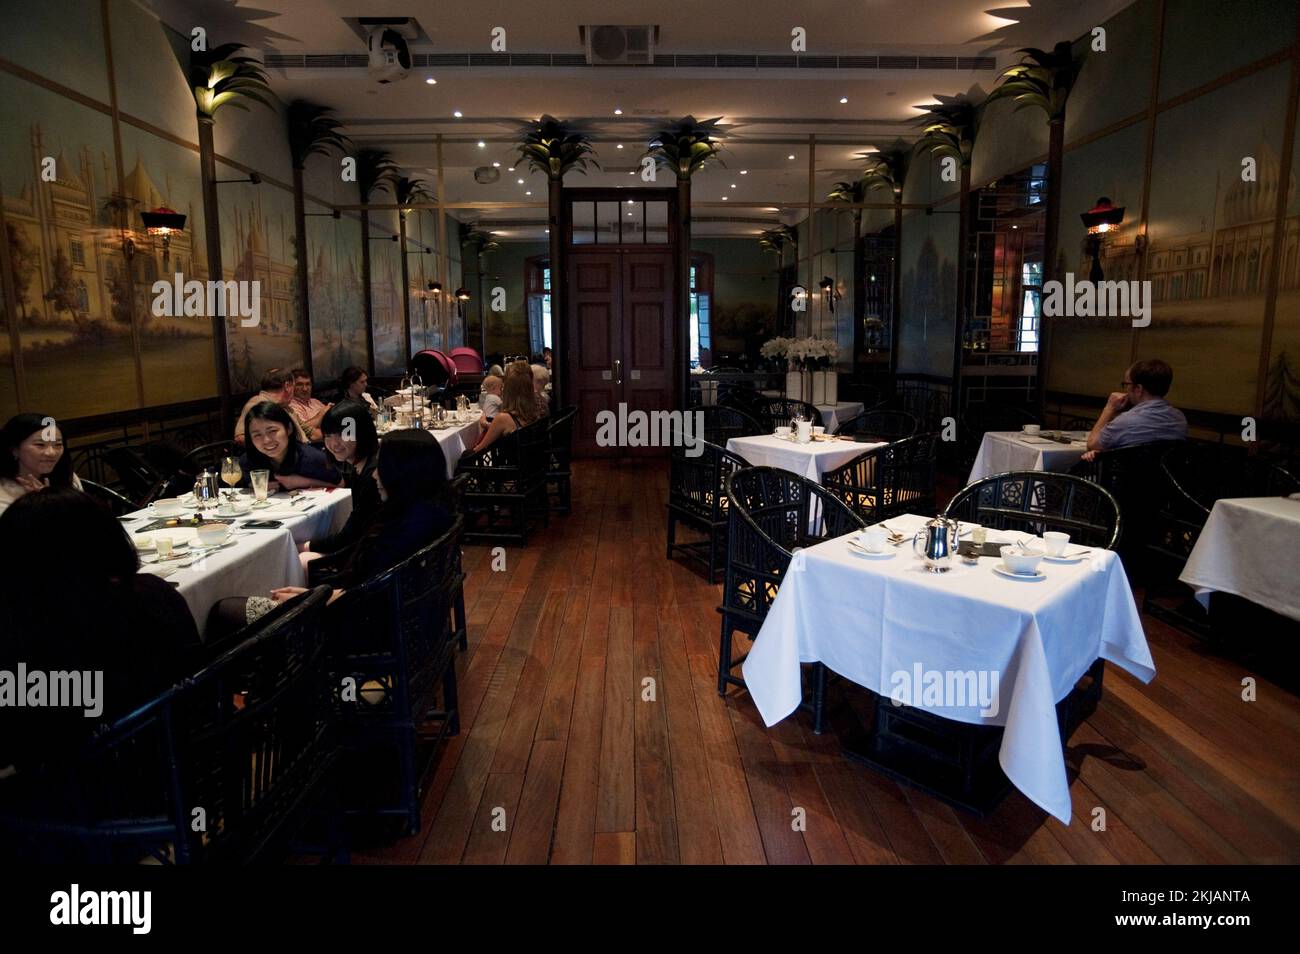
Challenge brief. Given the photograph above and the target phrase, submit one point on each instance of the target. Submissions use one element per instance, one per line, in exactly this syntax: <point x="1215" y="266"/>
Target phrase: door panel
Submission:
<point x="648" y="324"/>
<point x="596" y="339"/>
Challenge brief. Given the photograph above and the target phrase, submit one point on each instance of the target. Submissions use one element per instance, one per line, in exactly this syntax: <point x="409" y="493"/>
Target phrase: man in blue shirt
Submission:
<point x="1139" y="414"/>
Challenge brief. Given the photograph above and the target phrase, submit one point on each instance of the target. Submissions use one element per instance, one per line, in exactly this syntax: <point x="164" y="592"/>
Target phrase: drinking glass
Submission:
<point x="259" y="480"/>
<point x="231" y="472"/>
<point x="979" y="535"/>
<point x="164" y="545"/>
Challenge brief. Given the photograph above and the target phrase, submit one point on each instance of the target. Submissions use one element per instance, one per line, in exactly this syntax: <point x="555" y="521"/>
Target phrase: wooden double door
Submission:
<point x="620" y="305"/>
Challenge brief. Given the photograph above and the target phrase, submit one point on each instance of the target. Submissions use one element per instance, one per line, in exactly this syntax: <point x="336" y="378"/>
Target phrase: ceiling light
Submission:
<point x="791" y="156"/>
<point x="496" y="165"/>
<point x="744" y="172"/>
<point x="520" y="181"/>
<point x="733" y="185"/>
<point x="629" y="215"/>
<point x="631" y="201"/>
<point x="482" y="144"/>
<point x="458" y="114"/>
<point x="724" y="198"/>
<point x="527" y="193"/>
<point x="843" y="100"/>
<point x="431" y="81"/>
<point x="617" y="111"/>
<point x="619" y="146"/>
<point x="632" y="172"/>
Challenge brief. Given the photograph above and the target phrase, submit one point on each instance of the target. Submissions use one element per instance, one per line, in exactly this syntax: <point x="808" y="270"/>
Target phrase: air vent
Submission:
<point x="720" y="61"/>
<point x="485" y="175"/>
<point x="619" y="45"/>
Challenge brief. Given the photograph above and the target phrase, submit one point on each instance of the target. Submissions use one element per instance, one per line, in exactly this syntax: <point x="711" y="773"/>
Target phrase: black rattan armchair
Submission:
<point x="889" y="480"/>
<point x="697" y="497"/>
<point x="559" y="456"/>
<point x="110" y="498"/>
<point x="1036" y="502"/>
<point x="771" y="513"/>
<point x="881" y="424"/>
<point x="505" y="486"/>
<point x="720" y="424"/>
<point x="779" y="411"/>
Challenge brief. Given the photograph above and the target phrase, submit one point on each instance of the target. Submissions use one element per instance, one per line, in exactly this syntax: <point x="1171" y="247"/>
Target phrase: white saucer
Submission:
<point x="201" y="547"/>
<point x="1078" y="558"/>
<point x="1001" y="570"/>
<point x="861" y="551"/>
<point x="261" y="504"/>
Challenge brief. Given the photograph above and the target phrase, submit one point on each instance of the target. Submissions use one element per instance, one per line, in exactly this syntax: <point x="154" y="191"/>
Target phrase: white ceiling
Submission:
<point x="769" y="113"/>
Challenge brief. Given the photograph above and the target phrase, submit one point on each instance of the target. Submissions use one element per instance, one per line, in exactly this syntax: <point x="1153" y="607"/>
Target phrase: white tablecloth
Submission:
<point x="833" y="415"/>
<point x="874" y="621"/>
<point x="259" y="560"/>
<point x="810" y="460"/>
<point x="455" y="441"/>
<point x="1001" y="451"/>
<point x="1249" y="547"/>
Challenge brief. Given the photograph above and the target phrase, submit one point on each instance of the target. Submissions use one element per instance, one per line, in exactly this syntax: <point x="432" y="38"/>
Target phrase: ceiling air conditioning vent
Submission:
<point x="620" y="45"/>
<point x="484" y="175"/>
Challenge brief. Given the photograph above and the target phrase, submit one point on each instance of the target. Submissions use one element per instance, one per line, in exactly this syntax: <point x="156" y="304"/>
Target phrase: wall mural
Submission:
<point x="334" y="290"/>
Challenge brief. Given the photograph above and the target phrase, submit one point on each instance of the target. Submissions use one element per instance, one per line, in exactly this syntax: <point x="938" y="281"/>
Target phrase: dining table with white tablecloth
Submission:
<point x="1250" y="547"/>
<point x="878" y="620"/>
<point x="833" y="415"/>
<point x="1002" y="451"/>
<point x="811" y="460"/>
<point x="253" y="561"/>
<point x="455" y="438"/>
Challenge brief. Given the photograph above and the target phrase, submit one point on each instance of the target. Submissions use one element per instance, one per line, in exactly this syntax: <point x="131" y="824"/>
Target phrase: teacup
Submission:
<point x="874" y="539"/>
<point x="1055" y="542"/>
<point x="818" y="430"/>
<point x="783" y="432"/>
<point x="1021" y="561"/>
<point x="213" y="534"/>
<point x="167" y="507"/>
<point x="1032" y="429"/>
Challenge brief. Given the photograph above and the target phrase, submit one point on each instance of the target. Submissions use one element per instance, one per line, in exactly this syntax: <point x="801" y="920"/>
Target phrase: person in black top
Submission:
<point x="351" y="438"/>
<point x="270" y="445"/>
<point x="73" y="600"/>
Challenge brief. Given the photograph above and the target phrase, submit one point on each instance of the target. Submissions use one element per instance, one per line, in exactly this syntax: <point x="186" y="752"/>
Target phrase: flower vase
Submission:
<point x="830" y="387"/>
<point x="797" y="386"/>
<point x="818" y="388"/>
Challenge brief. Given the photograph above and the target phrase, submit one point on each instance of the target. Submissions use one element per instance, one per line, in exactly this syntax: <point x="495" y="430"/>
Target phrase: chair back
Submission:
<point x="135" y="474"/>
<point x="778" y="411"/>
<point x="466" y="360"/>
<point x="770" y="513"/>
<point x="882" y="424"/>
<point x="110" y="498"/>
<point x="1037" y="502"/>
<point x="559" y="438"/>
<point x="721" y="423"/>
<point x="886" y="481"/>
<point x="697" y="485"/>
<point x="214" y="770"/>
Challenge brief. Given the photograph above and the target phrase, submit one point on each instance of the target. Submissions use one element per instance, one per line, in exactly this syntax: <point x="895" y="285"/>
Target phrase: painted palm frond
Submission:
<point x="221" y="77"/>
<point x="854" y="192"/>
<point x="554" y="147"/>
<point x="313" y="131"/>
<point x="481" y="242"/>
<point x="375" y="170"/>
<point x="686" y="145"/>
<point x="949" y="124"/>
<point x="777" y="239"/>
<point x="410" y="191"/>
<point x="885" y="169"/>
<point x="1041" y="80"/>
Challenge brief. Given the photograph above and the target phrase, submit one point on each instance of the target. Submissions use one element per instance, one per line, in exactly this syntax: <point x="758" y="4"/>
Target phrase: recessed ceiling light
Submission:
<point x="458" y="114"/>
<point x="520" y="181"/>
<point x="843" y="100"/>
<point x="619" y="146"/>
<point x="629" y="215"/>
<point x="631" y="201"/>
<point x="482" y="144"/>
<point x="744" y="172"/>
<point x="527" y="193"/>
<point x="496" y="165"/>
<point x="511" y="169"/>
<point x="791" y="156"/>
<point x="724" y="198"/>
<point x="632" y="172"/>
<point x="733" y="185"/>
<point x="617" y="111"/>
<point x="431" y="81"/>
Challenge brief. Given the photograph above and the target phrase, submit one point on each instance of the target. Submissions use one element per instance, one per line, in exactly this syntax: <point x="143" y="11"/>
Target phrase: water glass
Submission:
<point x="164" y="545"/>
<point x="979" y="535"/>
<point x="259" y="480"/>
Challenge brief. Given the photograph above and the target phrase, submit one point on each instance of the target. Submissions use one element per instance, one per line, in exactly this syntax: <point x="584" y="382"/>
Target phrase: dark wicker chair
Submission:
<point x="881" y="424"/>
<point x="209" y="457"/>
<point x="110" y="498"/>
<point x="1036" y="501"/>
<point x="505" y="486"/>
<point x="391" y="655"/>
<point x="773" y="412"/>
<point x="771" y="513"/>
<point x="979" y="419"/>
<point x="722" y="423"/>
<point x="136" y="476"/>
<point x="559" y="456"/>
<point x="697" y="497"/>
<point x="249" y="740"/>
<point x="889" y="480"/>
<point x="741" y="395"/>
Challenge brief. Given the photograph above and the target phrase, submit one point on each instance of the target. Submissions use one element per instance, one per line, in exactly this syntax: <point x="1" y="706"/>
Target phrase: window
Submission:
<point x="77" y="252"/>
<point x="1031" y="284"/>
<point x="701" y="298"/>
<point x="539" y="304"/>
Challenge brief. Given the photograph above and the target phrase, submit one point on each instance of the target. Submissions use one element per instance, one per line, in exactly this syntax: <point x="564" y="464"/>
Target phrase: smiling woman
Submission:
<point x="32" y="457"/>
<point x="271" y="445"/>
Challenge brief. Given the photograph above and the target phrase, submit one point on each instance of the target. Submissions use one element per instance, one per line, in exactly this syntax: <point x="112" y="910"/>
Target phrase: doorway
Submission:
<point x="623" y="329"/>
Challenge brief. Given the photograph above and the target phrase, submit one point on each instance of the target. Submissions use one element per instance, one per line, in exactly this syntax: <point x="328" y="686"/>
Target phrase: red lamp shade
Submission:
<point x="163" y="221"/>
<point x="1102" y="217"/>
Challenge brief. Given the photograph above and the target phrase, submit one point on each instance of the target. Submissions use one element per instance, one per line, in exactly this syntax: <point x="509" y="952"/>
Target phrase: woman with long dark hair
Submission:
<point x="351" y="439"/>
<point x="32" y="457"/>
<point x="270" y="444"/>
<point x="74" y="601"/>
<point x="352" y="387"/>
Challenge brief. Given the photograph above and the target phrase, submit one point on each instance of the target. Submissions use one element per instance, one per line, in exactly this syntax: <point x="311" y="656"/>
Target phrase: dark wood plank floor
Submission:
<point x="561" y="741"/>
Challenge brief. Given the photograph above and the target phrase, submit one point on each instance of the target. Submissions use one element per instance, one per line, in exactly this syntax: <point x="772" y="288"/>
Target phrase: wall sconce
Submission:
<point x="462" y="296"/>
<point x="1100" y="219"/>
<point x="163" y="222"/>
<point x="829" y="295"/>
<point x="435" y="287"/>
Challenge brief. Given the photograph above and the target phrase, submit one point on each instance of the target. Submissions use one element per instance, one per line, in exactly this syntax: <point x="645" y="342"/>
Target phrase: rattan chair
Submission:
<point x="220" y="769"/>
<point x="1036" y="502"/>
<point x="505" y="486"/>
<point x="773" y="412"/>
<point x="697" y="497"/>
<point x="559" y="456"/>
<point x="110" y="498"/>
<point x="771" y="513"/>
<point x="721" y="423"/>
<point x="889" y="480"/>
<point x="391" y="655"/>
<point x="881" y="424"/>
<point x="979" y="419"/>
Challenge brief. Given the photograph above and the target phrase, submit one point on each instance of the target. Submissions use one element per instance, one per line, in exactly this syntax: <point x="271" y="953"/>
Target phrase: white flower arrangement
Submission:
<point x="819" y="352"/>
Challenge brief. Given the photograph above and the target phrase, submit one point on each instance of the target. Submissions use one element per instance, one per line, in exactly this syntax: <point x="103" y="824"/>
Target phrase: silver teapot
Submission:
<point x="207" y="489"/>
<point x="936" y="544"/>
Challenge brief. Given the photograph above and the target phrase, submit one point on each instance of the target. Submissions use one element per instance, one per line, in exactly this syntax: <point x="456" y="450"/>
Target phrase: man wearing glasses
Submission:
<point x="1139" y="414"/>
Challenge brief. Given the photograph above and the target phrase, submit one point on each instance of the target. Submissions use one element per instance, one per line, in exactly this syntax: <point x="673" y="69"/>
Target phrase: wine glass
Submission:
<point x="231" y="472"/>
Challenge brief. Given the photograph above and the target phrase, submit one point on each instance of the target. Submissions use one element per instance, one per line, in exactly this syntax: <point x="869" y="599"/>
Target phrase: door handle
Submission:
<point x="618" y="371"/>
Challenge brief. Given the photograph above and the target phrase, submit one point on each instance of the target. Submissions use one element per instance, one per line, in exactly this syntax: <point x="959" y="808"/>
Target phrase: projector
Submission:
<point x="390" y="57"/>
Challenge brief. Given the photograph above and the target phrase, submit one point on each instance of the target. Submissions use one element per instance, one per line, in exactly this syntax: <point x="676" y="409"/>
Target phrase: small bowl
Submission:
<point x="1021" y="561"/>
<point x="783" y="432"/>
<point x="213" y="534"/>
<point x="818" y="431"/>
<point x="169" y="507"/>
<point x="1032" y="429"/>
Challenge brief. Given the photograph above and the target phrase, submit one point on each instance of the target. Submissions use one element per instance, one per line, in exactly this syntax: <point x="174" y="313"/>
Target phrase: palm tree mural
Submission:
<point x="313" y="131"/>
<point x="219" y="77"/>
<point x="684" y="148"/>
<point x="553" y="147"/>
<point x="480" y="244"/>
<point x="887" y="169"/>
<point x="777" y="240"/>
<point x="375" y="171"/>
<point x="1043" y="80"/>
<point x="407" y="192"/>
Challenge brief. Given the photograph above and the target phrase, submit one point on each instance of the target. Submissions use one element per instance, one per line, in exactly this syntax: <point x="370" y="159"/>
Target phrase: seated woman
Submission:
<point x="410" y="477"/>
<point x="268" y="437"/>
<point x="518" y="406"/>
<point x="352" y="387"/>
<point x="351" y="439"/>
<point x="133" y="627"/>
<point x="32" y="457"/>
<point x="542" y="389"/>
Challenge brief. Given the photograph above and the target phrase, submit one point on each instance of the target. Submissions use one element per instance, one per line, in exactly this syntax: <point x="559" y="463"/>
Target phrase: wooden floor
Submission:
<point x="558" y="743"/>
